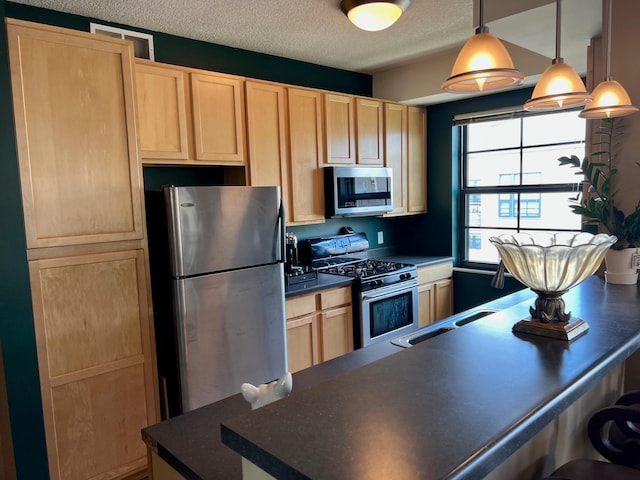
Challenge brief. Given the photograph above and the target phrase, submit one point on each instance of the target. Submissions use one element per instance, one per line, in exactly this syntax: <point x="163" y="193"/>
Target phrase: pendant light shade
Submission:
<point x="373" y="16"/>
<point x="560" y="86"/>
<point x="610" y="99"/>
<point x="483" y="64"/>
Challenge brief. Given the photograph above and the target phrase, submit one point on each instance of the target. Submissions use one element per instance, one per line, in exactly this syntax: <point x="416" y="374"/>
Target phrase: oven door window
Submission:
<point x="391" y="313"/>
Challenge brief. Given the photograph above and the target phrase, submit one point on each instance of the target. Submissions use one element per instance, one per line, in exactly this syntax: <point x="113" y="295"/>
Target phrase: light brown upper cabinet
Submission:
<point x="75" y="129"/>
<point x="189" y="116"/>
<point x="369" y="132"/>
<point x="395" y="147"/>
<point x="218" y="118"/>
<point x="340" y="134"/>
<point x="162" y="112"/>
<point x="306" y="155"/>
<point x="267" y="137"/>
<point x="354" y="130"/>
<point x="417" y="160"/>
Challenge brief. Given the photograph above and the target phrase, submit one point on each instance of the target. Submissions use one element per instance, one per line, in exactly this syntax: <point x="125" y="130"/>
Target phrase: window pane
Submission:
<point x="484" y="169"/>
<point x="553" y="211"/>
<point x="492" y="135"/>
<point x="544" y="161"/>
<point x="553" y="128"/>
<point x="479" y="248"/>
<point x="491" y="210"/>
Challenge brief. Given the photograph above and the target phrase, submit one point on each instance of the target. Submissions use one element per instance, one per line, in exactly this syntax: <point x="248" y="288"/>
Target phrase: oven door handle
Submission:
<point x="385" y="292"/>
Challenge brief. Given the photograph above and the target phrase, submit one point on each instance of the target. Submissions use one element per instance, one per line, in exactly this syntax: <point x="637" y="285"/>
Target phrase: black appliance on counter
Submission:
<point x="385" y="293"/>
<point x="294" y="271"/>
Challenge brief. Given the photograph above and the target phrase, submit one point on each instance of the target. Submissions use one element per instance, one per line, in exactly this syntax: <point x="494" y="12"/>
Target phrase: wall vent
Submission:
<point x="142" y="43"/>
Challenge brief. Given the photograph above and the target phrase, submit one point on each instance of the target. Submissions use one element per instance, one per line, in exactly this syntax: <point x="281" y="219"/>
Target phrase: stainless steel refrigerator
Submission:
<point x="225" y="324"/>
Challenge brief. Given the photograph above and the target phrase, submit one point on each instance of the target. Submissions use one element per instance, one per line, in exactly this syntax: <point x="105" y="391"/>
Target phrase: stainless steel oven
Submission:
<point x="388" y="310"/>
<point x="385" y="293"/>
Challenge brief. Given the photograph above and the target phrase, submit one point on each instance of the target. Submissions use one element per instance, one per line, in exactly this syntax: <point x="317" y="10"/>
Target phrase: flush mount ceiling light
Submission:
<point x="560" y="86"/>
<point x="483" y="64"/>
<point x="371" y="15"/>
<point x="610" y="99"/>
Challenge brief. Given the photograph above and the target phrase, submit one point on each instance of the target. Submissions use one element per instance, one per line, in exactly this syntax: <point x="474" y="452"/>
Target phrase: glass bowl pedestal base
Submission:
<point x="549" y="319"/>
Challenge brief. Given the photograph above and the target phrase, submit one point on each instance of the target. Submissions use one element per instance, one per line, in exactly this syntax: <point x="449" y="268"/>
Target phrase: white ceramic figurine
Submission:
<point x="266" y="393"/>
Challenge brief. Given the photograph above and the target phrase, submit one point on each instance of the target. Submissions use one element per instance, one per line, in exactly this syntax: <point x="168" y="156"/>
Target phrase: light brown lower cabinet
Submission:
<point x="91" y="313"/>
<point x="435" y="293"/>
<point x="319" y="327"/>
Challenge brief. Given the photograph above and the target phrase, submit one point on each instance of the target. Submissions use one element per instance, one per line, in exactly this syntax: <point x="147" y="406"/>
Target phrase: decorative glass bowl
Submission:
<point x="550" y="264"/>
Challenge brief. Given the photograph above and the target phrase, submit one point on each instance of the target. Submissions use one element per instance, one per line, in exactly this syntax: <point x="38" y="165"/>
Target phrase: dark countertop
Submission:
<point x="191" y="442"/>
<point x="455" y="406"/>
<point x="325" y="281"/>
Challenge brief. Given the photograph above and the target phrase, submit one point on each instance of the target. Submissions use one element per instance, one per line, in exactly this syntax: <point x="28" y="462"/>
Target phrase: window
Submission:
<point x="508" y="202"/>
<point x="511" y="180"/>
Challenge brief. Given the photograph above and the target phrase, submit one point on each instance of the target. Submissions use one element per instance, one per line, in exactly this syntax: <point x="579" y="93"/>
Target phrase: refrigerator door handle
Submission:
<point x="281" y="218"/>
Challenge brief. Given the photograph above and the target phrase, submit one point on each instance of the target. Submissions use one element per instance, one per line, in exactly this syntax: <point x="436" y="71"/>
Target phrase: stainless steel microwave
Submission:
<point x="357" y="191"/>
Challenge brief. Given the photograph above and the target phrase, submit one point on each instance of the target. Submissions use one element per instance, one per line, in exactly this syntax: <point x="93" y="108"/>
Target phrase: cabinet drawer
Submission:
<point x="432" y="273"/>
<point x="335" y="297"/>
<point x="302" y="305"/>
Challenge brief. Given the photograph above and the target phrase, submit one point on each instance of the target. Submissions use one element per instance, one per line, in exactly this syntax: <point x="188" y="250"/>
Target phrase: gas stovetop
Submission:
<point x="371" y="274"/>
<point x="364" y="268"/>
<point x="335" y="256"/>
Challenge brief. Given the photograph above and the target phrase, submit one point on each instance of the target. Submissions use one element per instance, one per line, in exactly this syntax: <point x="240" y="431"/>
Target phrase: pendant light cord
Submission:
<point x="558" y="26"/>
<point x="608" y="59"/>
<point x="481" y="28"/>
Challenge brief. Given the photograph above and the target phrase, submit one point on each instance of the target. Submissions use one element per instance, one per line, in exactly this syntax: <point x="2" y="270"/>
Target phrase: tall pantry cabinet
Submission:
<point x="86" y="246"/>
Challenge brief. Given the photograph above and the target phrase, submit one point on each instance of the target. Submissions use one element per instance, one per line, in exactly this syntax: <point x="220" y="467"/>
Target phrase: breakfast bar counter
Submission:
<point x="455" y="406"/>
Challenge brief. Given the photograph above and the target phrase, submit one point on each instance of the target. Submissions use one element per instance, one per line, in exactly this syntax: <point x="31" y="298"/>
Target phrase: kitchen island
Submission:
<point x="455" y="406"/>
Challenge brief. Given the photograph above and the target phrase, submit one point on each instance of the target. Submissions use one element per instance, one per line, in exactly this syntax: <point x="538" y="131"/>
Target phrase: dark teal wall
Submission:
<point x="16" y="315"/>
<point x="423" y="234"/>
<point x="438" y="229"/>
<point x="218" y="58"/>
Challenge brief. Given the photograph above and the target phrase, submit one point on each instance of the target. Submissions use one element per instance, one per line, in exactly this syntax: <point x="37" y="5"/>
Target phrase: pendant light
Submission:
<point x="610" y="99"/>
<point x="483" y="64"/>
<point x="373" y="16"/>
<point x="560" y="86"/>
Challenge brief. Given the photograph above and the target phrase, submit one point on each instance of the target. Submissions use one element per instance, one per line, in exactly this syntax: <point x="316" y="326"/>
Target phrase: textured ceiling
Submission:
<point x="317" y="31"/>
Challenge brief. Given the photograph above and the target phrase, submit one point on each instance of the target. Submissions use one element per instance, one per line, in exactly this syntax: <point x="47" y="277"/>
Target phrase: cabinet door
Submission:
<point x="426" y="304"/>
<point x="339" y="129"/>
<point x="307" y="152"/>
<point x="75" y="129"/>
<point x="302" y="343"/>
<point x="218" y="118"/>
<point x="267" y="137"/>
<point x="395" y="147"/>
<point x="336" y="332"/>
<point x="369" y="132"/>
<point x="162" y="117"/>
<point x="96" y="372"/>
<point x="443" y="299"/>
<point x="417" y="160"/>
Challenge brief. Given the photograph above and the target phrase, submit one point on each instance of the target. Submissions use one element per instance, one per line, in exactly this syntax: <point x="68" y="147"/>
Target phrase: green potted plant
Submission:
<point x="598" y="205"/>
